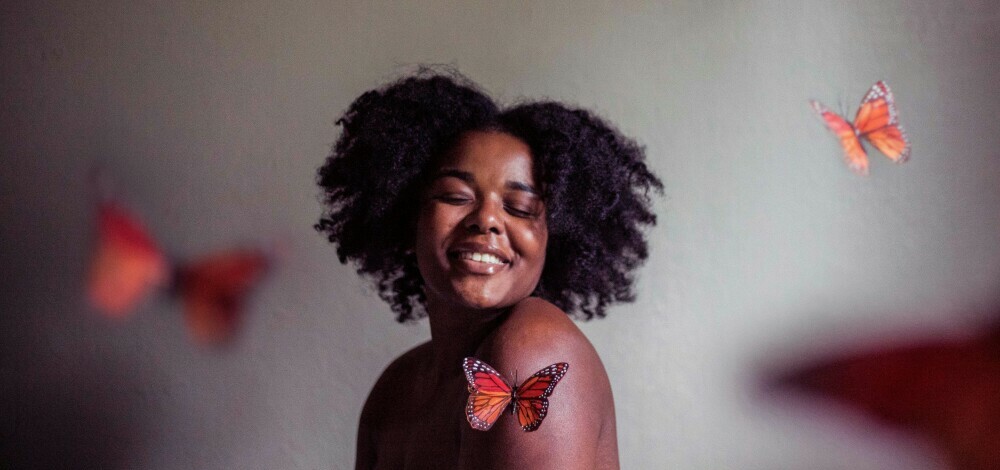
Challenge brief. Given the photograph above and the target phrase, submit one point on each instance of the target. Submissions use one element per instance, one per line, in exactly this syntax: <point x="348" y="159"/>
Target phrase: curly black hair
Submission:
<point x="594" y="182"/>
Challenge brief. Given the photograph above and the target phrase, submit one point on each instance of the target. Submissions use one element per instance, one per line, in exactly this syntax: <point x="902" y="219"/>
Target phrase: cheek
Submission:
<point x="533" y="244"/>
<point x="432" y="227"/>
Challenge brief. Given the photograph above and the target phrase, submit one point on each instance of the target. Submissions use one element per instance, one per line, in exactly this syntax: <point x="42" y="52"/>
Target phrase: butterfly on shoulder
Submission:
<point x="877" y="121"/>
<point x="490" y="394"/>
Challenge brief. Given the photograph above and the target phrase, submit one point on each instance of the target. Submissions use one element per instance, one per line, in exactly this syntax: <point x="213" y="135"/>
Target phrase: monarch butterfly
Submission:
<point x="877" y="121"/>
<point x="490" y="394"/>
<point x="128" y="265"/>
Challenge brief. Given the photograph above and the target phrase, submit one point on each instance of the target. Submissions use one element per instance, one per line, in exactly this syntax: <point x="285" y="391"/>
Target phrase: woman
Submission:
<point x="495" y="224"/>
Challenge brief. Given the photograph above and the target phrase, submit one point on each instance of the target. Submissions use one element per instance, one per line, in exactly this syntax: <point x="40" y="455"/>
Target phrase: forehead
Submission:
<point x="491" y="154"/>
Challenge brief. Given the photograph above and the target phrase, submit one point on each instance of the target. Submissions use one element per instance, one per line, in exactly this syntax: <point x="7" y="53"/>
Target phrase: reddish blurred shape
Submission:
<point x="128" y="264"/>
<point x="947" y="390"/>
<point x="214" y="290"/>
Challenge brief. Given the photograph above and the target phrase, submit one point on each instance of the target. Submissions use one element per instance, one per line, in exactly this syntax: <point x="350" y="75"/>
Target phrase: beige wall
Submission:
<point x="211" y="118"/>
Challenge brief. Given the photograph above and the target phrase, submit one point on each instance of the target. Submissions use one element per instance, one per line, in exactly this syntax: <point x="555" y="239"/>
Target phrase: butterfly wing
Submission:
<point x="878" y="122"/>
<point x="489" y="394"/>
<point x="532" y="395"/>
<point x="127" y="265"/>
<point x="947" y="390"/>
<point x="214" y="291"/>
<point x="854" y="153"/>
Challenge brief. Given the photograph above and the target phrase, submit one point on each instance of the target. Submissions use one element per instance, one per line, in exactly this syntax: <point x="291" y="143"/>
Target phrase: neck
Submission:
<point x="457" y="332"/>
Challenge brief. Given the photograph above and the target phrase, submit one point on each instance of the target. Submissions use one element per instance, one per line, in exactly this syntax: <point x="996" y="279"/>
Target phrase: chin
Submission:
<point x="482" y="299"/>
<point x="482" y="303"/>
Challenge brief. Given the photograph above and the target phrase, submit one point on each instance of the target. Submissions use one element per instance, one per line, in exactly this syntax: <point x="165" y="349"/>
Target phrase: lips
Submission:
<point x="478" y="258"/>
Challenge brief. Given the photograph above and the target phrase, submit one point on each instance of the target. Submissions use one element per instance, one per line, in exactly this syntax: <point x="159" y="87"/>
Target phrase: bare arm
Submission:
<point x="535" y="335"/>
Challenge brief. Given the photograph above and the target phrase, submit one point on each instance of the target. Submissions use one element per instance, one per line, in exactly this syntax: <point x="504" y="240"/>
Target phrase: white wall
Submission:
<point x="211" y="118"/>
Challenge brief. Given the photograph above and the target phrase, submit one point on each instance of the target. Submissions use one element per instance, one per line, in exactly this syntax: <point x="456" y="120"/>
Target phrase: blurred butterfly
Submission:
<point x="490" y="394"/>
<point x="946" y="390"/>
<point x="128" y="265"/>
<point x="877" y="121"/>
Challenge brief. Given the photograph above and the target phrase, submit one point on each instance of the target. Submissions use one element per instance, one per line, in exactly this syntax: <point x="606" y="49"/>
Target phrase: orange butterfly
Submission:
<point x="128" y="265"/>
<point x="877" y="122"/>
<point x="490" y="394"/>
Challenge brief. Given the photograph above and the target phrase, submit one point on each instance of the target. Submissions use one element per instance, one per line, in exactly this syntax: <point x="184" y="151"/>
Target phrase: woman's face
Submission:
<point x="481" y="232"/>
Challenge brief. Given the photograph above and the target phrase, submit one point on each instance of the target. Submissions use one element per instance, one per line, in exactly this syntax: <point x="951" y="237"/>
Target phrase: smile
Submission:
<point x="481" y="257"/>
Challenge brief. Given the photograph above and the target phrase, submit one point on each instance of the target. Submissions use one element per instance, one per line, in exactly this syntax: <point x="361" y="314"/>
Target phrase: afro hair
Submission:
<point x="594" y="182"/>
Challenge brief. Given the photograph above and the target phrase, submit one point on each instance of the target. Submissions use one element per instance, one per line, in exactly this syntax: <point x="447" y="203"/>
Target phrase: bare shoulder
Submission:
<point x="406" y="362"/>
<point x="536" y="334"/>
<point x="378" y="411"/>
<point x="580" y="408"/>
<point x="397" y="373"/>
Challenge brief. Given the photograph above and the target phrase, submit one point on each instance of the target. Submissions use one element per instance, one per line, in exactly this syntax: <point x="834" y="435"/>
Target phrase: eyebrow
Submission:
<point x="468" y="178"/>
<point x="462" y="175"/>
<point x="519" y="186"/>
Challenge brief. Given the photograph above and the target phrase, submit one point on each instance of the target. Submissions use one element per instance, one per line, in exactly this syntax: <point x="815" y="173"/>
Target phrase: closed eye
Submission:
<point x="523" y="205"/>
<point x="517" y="212"/>
<point x="453" y="199"/>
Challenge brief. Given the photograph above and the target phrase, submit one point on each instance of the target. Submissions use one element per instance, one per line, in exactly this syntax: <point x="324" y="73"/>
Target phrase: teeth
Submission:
<point x="480" y="257"/>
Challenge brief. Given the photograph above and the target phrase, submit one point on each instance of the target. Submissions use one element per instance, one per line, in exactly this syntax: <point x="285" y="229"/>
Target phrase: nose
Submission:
<point x="485" y="218"/>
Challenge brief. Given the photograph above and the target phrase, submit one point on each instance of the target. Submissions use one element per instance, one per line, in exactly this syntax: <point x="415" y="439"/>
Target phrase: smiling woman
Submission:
<point x="495" y="224"/>
<point x="481" y="230"/>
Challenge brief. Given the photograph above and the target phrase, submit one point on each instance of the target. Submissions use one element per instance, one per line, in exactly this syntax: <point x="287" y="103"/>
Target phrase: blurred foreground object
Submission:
<point x="128" y="266"/>
<point x="945" y="390"/>
<point x="214" y="290"/>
